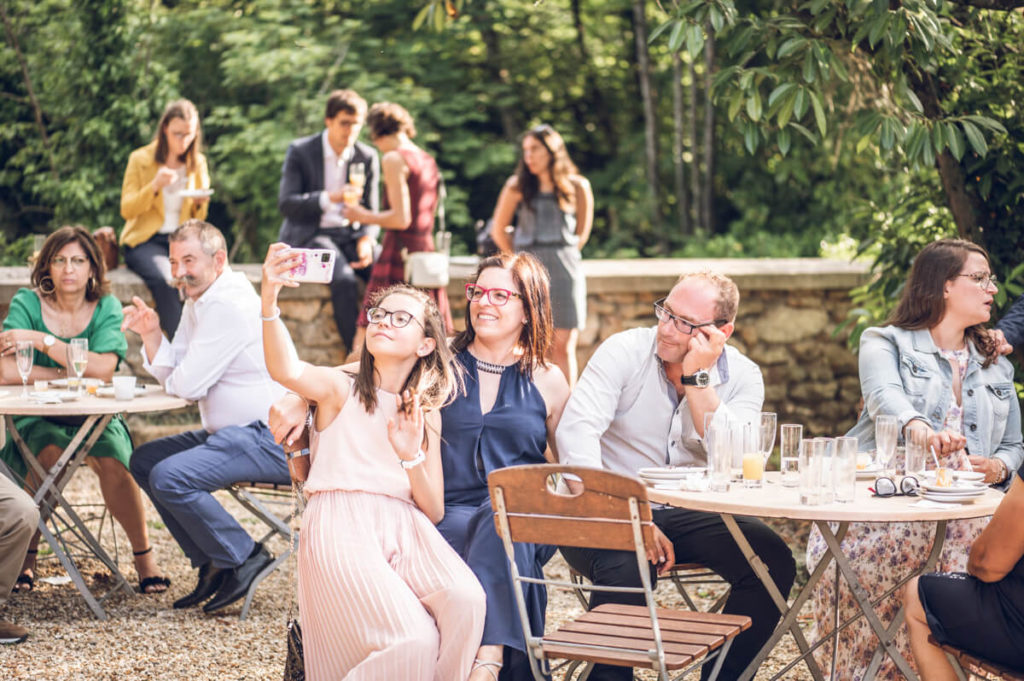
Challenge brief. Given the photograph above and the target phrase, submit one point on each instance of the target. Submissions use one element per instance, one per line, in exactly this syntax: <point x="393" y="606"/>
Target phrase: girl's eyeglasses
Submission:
<point x="496" y="296"/>
<point x="399" y="318"/>
<point x="886" y="487"/>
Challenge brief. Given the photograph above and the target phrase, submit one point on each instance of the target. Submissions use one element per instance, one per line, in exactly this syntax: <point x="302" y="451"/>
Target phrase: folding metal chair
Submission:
<point x="966" y="665"/>
<point x="261" y="499"/>
<point x="610" y="513"/>
<point x="682" y="575"/>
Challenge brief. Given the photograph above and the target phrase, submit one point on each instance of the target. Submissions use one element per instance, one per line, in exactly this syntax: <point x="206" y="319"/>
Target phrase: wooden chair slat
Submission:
<point x="620" y="659"/>
<point x="634" y="644"/>
<point x="644" y="634"/>
<point x="574" y="531"/>
<point x="742" y="621"/>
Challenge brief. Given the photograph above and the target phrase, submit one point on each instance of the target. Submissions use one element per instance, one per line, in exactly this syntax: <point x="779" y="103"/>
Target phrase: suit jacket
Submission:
<point x="143" y="210"/>
<point x="302" y="180"/>
<point x="1012" y="324"/>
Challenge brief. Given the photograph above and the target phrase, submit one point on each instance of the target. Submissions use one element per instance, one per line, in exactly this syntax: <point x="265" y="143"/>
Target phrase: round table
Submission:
<point x="772" y="500"/>
<point x="98" y="411"/>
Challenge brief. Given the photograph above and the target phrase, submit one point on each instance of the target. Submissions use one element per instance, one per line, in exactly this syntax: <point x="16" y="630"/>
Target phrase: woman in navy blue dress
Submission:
<point x="506" y="416"/>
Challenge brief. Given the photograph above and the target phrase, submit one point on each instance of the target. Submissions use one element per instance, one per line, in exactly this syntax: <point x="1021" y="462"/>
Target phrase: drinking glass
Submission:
<point x="887" y="430"/>
<point x="719" y="457"/>
<point x="826" y="488"/>
<point x="844" y="469"/>
<point x="812" y="452"/>
<point x="767" y="435"/>
<point x="752" y="458"/>
<point x="789" y="453"/>
<point x="78" y="357"/>
<point x="357" y="176"/>
<point x="917" y="451"/>
<point x="25" y="355"/>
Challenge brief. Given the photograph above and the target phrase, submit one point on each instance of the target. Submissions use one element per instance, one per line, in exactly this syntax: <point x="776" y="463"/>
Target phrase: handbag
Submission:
<point x="106" y="239"/>
<point x="294" y="662"/>
<point x="429" y="269"/>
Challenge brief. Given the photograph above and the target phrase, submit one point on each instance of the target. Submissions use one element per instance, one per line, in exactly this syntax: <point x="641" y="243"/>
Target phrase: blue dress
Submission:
<point x="512" y="433"/>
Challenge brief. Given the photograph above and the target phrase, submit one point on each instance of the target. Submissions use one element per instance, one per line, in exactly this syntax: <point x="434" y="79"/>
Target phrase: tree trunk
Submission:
<point x="592" y="106"/>
<point x="707" y="214"/>
<point x="696" y="200"/>
<point x="511" y="121"/>
<point x="644" y="78"/>
<point x="678" y="133"/>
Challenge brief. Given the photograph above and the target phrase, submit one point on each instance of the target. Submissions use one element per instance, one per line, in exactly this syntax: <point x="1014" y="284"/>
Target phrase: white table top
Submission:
<point x="154" y="399"/>
<point x="773" y="500"/>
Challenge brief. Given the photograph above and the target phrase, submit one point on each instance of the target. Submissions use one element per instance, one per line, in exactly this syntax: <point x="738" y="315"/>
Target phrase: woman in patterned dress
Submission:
<point x="411" y="181"/>
<point x="934" y="367"/>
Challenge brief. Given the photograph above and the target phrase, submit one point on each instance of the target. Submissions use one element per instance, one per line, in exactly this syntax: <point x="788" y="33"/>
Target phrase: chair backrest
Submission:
<point x="601" y="516"/>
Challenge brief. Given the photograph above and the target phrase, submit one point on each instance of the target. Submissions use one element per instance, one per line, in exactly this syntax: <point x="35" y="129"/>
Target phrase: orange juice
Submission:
<point x="753" y="469"/>
<point x="91" y="388"/>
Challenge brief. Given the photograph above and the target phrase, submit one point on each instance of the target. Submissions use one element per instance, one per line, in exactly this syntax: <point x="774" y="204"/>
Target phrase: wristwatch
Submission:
<point x="48" y="341"/>
<point x="701" y="379"/>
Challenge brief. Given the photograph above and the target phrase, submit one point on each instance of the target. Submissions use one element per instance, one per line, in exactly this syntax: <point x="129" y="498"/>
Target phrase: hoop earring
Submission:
<point x="91" y="284"/>
<point x="46" y="285"/>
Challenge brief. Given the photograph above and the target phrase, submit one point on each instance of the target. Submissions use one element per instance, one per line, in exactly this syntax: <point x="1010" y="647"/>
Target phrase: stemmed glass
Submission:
<point x="25" y="355"/>
<point x="766" y="442"/>
<point x="78" y="357"/>
<point x="887" y="429"/>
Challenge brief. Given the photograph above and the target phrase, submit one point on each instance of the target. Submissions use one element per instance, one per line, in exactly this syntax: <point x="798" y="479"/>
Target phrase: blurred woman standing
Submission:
<point x="166" y="183"/>
<point x="554" y="209"/>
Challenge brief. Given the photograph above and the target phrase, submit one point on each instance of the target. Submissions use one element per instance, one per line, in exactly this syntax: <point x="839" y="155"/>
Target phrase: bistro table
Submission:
<point x="772" y="500"/>
<point x="97" y="412"/>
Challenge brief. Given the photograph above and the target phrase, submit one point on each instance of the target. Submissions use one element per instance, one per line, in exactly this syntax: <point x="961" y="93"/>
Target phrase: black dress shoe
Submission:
<point x="210" y="579"/>
<point x="239" y="579"/>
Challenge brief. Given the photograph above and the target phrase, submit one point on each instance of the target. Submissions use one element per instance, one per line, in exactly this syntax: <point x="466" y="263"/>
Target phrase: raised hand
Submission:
<point x="405" y="430"/>
<point x="279" y="260"/>
<point x="140" y="318"/>
<point x="705" y="348"/>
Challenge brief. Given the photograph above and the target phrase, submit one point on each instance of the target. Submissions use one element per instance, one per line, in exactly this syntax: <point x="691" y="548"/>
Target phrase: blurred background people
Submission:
<point x="554" y="210"/>
<point x="153" y="205"/>
<point x="70" y="299"/>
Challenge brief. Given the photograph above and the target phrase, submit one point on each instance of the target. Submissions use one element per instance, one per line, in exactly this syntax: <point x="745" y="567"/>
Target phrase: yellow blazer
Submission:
<point x="142" y="208"/>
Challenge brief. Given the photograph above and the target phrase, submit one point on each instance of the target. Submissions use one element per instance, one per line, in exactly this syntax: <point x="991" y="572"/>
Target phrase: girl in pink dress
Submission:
<point x="381" y="593"/>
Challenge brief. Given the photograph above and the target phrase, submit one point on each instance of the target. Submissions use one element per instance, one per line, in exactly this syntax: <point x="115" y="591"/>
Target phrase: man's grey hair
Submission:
<point x="209" y="237"/>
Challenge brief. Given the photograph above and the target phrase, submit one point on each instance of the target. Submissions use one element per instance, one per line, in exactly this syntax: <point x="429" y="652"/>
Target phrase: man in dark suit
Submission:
<point x="316" y="170"/>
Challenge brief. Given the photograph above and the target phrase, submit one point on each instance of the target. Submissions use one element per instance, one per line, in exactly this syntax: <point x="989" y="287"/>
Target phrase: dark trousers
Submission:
<point x="345" y="294"/>
<point x="181" y="472"/>
<point x="700" y="538"/>
<point x="149" y="260"/>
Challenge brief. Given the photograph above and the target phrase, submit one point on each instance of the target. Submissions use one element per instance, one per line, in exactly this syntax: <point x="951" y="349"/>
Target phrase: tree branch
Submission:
<point x="999" y="5"/>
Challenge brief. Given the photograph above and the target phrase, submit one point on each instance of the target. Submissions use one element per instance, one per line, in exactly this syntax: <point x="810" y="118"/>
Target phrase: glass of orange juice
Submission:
<point x="753" y="459"/>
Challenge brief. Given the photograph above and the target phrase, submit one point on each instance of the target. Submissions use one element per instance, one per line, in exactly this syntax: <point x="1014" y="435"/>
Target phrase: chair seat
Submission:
<point x="978" y="665"/>
<point x="687" y="636"/>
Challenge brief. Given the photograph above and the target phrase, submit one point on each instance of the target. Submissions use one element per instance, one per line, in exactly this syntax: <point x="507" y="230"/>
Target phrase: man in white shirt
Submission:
<point x="216" y="359"/>
<point x="316" y="170"/>
<point x="642" y="401"/>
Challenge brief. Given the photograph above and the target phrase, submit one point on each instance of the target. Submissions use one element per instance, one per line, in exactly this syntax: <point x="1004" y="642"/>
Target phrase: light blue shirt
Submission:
<point x="624" y="414"/>
<point x="903" y="374"/>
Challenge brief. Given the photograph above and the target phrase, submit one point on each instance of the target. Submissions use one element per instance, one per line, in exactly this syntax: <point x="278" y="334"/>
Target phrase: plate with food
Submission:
<point x="195" y="193"/>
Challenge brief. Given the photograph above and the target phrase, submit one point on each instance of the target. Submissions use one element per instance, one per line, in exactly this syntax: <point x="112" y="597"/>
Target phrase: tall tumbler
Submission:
<point x="812" y="454"/>
<point x="789" y="452"/>
<point x="719" y="457"/>
<point x="844" y="469"/>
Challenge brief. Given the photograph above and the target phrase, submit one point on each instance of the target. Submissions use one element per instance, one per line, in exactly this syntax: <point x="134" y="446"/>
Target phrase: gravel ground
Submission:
<point x="146" y="639"/>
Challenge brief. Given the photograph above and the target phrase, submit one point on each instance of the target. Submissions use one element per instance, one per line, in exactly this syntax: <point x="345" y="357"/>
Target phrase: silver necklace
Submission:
<point x="489" y="368"/>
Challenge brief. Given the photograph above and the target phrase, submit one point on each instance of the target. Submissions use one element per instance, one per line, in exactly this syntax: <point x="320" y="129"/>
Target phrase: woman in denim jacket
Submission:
<point x="933" y="366"/>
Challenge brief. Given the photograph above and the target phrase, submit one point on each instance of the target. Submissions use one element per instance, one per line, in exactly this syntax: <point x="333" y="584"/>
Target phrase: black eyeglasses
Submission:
<point x="886" y="487"/>
<point x="399" y="318"/>
<point x="682" y="326"/>
<point x="982" y="279"/>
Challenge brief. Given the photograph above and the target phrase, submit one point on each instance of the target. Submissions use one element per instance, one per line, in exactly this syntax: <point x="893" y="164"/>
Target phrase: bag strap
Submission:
<point x="442" y="239"/>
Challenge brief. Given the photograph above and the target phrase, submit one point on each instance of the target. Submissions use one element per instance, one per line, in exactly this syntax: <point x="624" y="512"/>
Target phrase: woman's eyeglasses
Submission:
<point x="76" y="261"/>
<point x="496" y="296"/>
<point x="682" y="326"/>
<point x="982" y="279"/>
<point x="886" y="487"/>
<point x="399" y="318"/>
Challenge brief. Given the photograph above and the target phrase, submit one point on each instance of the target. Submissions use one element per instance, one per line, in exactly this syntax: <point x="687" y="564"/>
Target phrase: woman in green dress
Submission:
<point x="70" y="299"/>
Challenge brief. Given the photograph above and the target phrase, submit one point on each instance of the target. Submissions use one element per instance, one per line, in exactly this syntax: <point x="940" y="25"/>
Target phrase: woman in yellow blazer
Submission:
<point x="166" y="183"/>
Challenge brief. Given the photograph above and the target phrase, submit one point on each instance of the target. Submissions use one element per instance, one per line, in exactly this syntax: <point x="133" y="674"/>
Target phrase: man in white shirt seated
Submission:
<point x="640" y="402"/>
<point x="216" y="359"/>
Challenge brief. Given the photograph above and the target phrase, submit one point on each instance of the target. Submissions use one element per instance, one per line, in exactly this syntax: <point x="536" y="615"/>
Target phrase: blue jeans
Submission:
<point x="180" y="473"/>
<point x="149" y="260"/>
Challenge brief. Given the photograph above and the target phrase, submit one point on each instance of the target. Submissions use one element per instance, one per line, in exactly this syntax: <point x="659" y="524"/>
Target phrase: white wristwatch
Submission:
<point x="48" y="341"/>
<point x="420" y="457"/>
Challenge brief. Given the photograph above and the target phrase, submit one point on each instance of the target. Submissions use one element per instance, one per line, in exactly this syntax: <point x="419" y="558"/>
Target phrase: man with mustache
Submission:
<point x="215" y="359"/>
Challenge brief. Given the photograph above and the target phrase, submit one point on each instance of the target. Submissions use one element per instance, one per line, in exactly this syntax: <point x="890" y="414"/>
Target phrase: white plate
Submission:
<point x="109" y="391"/>
<point x="869" y="473"/>
<point x="670" y="473"/>
<point x="951" y="498"/>
<point x="195" y="193"/>
<point x="956" y="488"/>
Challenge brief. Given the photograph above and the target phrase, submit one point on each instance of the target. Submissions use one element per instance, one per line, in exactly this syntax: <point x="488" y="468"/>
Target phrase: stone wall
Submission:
<point x="789" y="309"/>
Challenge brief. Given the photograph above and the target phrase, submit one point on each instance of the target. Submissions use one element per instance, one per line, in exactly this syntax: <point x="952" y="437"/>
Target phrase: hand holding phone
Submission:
<point x="316" y="265"/>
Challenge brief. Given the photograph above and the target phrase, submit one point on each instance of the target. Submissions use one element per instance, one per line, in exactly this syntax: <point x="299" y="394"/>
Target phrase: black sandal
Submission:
<point x="151" y="581"/>
<point x="25" y="583"/>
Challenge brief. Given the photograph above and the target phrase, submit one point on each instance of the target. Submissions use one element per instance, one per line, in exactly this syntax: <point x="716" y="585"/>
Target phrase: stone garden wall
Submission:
<point x="789" y="309"/>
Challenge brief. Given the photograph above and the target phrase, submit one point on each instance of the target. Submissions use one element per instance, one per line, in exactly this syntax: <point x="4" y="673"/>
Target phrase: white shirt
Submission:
<point x="216" y="357"/>
<point x="335" y="168"/>
<point x="624" y="414"/>
<point x="172" y="202"/>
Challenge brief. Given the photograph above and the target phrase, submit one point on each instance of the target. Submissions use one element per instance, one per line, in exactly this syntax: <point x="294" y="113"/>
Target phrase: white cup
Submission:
<point x="124" y="387"/>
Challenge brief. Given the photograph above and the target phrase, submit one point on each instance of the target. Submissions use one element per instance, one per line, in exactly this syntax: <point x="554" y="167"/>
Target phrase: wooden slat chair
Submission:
<point x="965" y="664"/>
<point x="683" y="575"/>
<point x="261" y="499"/>
<point x="611" y="513"/>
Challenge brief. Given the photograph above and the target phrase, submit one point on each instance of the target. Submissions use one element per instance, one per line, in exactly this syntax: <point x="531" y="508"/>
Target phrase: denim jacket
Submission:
<point x="903" y="374"/>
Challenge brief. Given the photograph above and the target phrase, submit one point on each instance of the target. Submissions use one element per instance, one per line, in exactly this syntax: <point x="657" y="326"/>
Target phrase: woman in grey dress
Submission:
<point x="554" y="210"/>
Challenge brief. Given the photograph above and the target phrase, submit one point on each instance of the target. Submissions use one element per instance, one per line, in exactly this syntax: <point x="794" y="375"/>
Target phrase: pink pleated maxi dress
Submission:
<point x="381" y="593"/>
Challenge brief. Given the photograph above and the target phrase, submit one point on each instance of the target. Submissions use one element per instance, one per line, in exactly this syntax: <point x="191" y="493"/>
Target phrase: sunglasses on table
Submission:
<point x="496" y="296"/>
<point x="886" y="487"/>
<point x="399" y="318"/>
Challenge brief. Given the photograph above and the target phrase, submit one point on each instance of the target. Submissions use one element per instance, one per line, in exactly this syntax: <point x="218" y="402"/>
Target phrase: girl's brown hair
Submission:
<point x="186" y="111"/>
<point x="923" y="303"/>
<point x="388" y="118"/>
<point x="561" y="166"/>
<point x="97" y="286"/>
<point x="531" y="280"/>
<point x="432" y="376"/>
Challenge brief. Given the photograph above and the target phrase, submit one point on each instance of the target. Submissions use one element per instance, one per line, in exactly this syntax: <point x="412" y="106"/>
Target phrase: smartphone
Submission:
<point x="317" y="265"/>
